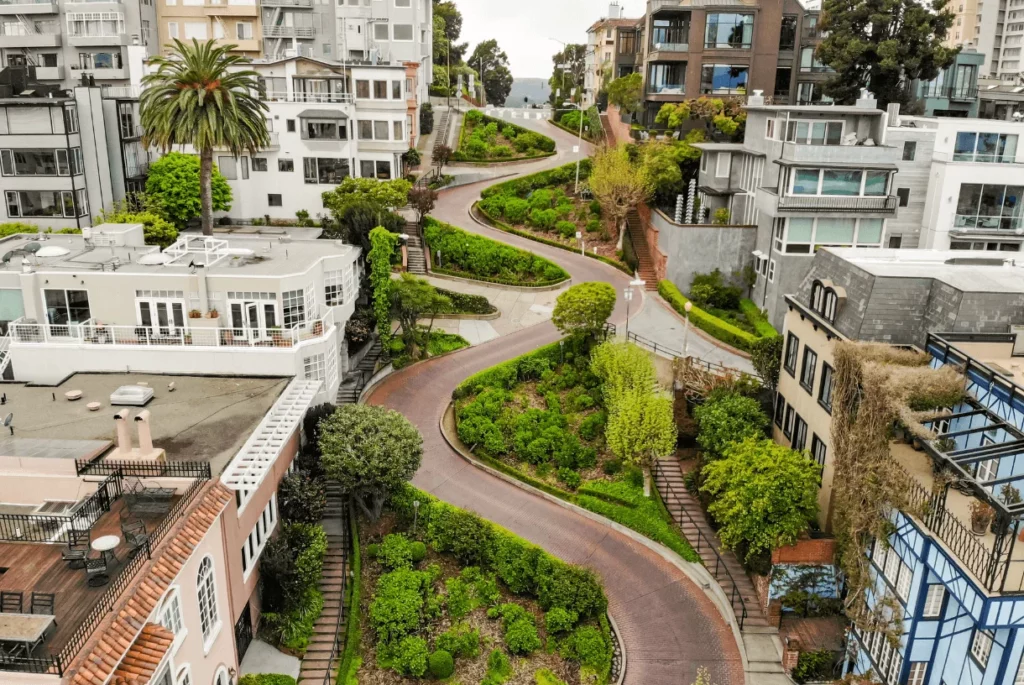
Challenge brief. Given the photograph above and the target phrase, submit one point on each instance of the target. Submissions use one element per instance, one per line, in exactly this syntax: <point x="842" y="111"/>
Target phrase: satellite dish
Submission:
<point x="32" y="247"/>
<point x="53" y="251"/>
<point x="8" y="419"/>
<point x="8" y="256"/>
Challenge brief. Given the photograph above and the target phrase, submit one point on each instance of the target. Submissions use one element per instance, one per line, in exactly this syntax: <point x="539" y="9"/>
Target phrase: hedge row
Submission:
<point x="757" y="319"/>
<point x="523" y="185"/>
<point x="712" y="325"/>
<point x="508" y="373"/>
<point x="502" y="226"/>
<point x="587" y="135"/>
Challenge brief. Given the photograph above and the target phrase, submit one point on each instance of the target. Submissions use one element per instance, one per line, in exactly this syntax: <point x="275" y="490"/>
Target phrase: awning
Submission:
<point x="335" y="114"/>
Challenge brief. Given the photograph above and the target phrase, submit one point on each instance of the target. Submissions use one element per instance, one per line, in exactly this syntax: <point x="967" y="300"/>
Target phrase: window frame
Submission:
<point x="792" y="350"/>
<point x="827" y="381"/>
<point x="206" y="593"/>
<point x="929" y="610"/>
<point x="807" y="382"/>
<point x="981" y="655"/>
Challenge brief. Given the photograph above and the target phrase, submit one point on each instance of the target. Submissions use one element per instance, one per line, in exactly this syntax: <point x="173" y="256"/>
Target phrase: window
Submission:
<point x="28" y="203"/>
<point x="771" y="271"/>
<point x="818" y="451"/>
<point x="396" y="90"/>
<point x="314" y="367"/>
<point x="184" y="676"/>
<point x="313" y="129"/>
<point x="787" y="36"/>
<point x="1019" y="679"/>
<point x="903" y="581"/>
<point x="161" y="310"/>
<point x="195" y="29"/>
<point x="665" y="77"/>
<point x="222" y="677"/>
<point x="398" y="133"/>
<point x="363" y="89"/>
<point x="704" y="163"/>
<point x="722" y="163"/>
<point x="325" y="170"/>
<point x="380" y="90"/>
<point x="383" y="170"/>
<point x="809" y="93"/>
<point x="258" y="536"/>
<point x="245" y="167"/>
<point x="826" y="387"/>
<point x="228" y="167"/>
<point x="40" y="162"/>
<point x="815" y="132"/>
<point x="290" y="125"/>
<point x="989" y="206"/>
<point x="985" y="147"/>
<point x="839" y="182"/>
<point x="207" y="598"/>
<point x="275" y="200"/>
<point x="895" y="242"/>
<point x="170" y="614"/>
<point x="403" y="3"/>
<point x="729" y="30"/>
<point x="334" y="293"/>
<point x="981" y="646"/>
<point x="792" y="348"/>
<point x="805" y="236"/>
<point x="787" y="426"/>
<point x="933" y="600"/>
<point x="723" y="79"/>
<point x="780" y="409"/>
<point x="783" y="77"/>
<point x="259" y="163"/>
<point x="918" y="673"/>
<point x="218" y="29"/>
<point x="403" y="32"/>
<point x="904" y="195"/>
<point x="99" y="24"/>
<point x="294" y="308"/>
<point x="380" y="32"/>
<point x="366" y="169"/>
<point x="808" y="369"/>
<point x="909" y="151"/>
<point x="243" y="30"/>
<point x="380" y="130"/>
<point x="172" y="29"/>
<point x="285" y="165"/>
<point x="799" y="434"/>
<point x="809" y="62"/>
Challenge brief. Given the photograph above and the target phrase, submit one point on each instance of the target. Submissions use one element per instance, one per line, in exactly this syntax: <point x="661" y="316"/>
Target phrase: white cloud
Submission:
<point x="524" y="28"/>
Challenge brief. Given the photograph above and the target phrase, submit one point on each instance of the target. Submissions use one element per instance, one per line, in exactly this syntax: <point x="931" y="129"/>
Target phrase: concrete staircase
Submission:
<point x="643" y="254"/>
<point x="356" y="379"/>
<point x="327" y="642"/>
<point x="417" y="261"/>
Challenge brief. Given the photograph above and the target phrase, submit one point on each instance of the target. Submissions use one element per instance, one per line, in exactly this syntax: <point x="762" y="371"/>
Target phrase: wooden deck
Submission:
<point x="28" y="567"/>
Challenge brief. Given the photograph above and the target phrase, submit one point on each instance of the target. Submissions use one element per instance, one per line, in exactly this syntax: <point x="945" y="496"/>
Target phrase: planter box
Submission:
<point x="204" y="323"/>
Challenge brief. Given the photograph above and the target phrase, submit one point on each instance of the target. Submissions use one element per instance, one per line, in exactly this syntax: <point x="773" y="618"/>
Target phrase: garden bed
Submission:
<point x="541" y="419"/>
<point x="486" y="139"/>
<point x="440" y="343"/>
<point x="742" y="327"/>
<point x="466" y="255"/>
<point x="545" y="207"/>
<point x="444" y="594"/>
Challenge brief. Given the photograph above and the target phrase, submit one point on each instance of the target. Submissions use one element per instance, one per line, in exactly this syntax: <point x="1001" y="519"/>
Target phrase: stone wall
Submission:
<point x="689" y="249"/>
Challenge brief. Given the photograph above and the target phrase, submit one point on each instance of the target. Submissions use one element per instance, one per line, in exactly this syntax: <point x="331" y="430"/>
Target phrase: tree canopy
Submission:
<point x="584" y="308"/>
<point x="882" y="45"/>
<point x="413" y="299"/>
<point x="622" y="367"/>
<point x="568" y="81"/>
<point x="618" y="182"/>
<point x="726" y="417"/>
<point x="447" y="29"/>
<point x="642" y="428"/>
<point x="626" y="92"/>
<point x="492" y="63"/>
<point x="174" y="184"/>
<point x="370" y="452"/>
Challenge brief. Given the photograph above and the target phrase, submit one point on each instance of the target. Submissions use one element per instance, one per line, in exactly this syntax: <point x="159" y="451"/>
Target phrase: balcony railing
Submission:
<point x="287" y="3"/>
<point x="283" y="96"/>
<point x="670" y="47"/>
<point x="986" y="224"/>
<point x="6" y="3"/>
<point x="54" y="529"/>
<point x="834" y="203"/>
<point x="666" y="88"/>
<point x="165" y="336"/>
<point x="289" y="32"/>
<point x="953" y="92"/>
<point x="121" y="92"/>
<point x="143" y="469"/>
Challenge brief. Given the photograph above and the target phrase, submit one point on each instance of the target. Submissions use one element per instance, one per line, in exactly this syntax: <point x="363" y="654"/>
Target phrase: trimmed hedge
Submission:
<point x="711" y="325"/>
<point x="543" y="179"/>
<point x="587" y="135"/>
<point x="546" y="145"/>
<point x="476" y="257"/>
<point x="463" y="303"/>
<point x="757" y="320"/>
<point x="266" y="679"/>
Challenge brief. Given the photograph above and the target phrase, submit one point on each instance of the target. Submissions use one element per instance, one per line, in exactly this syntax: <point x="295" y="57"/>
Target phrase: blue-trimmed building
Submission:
<point x="962" y="591"/>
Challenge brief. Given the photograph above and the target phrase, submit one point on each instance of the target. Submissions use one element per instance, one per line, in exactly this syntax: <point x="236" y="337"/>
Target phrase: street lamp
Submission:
<point x="627" y="294"/>
<point x="686" y="331"/>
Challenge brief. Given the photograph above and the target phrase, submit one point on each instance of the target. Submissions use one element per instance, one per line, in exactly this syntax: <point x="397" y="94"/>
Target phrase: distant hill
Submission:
<point x="536" y="91"/>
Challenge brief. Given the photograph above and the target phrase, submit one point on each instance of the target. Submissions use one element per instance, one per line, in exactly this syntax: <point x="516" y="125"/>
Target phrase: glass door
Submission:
<point x="162" y="317"/>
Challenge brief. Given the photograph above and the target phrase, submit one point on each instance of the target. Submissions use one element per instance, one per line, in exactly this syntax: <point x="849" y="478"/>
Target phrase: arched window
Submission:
<point x="170" y="613"/>
<point x="184" y="676"/>
<point x="222" y="677"/>
<point x="817" y="295"/>
<point x="831" y="304"/>
<point x="207" y="597"/>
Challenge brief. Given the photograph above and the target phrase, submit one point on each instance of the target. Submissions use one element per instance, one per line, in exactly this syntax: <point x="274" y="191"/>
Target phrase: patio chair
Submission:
<point x="78" y="548"/>
<point x="12" y="603"/>
<point x="42" y="603"/>
<point x="96" y="571"/>
<point x="134" y="532"/>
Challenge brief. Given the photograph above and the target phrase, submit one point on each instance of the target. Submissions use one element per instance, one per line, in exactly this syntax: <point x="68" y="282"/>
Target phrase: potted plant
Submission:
<point x="318" y="328"/>
<point x="214" y="314"/>
<point x="982" y="515"/>
<point x="195" y="314"/>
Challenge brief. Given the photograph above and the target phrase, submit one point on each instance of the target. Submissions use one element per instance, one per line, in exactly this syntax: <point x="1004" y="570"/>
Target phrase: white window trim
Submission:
<point x="396" y="39"/>
<point x="932" y="606"/>
<point x="918" y="673"/>
<point x="981" y="646"/>
<point x="184" y="672"/>
<point x="173" y="596"/>
<point x="810" y="124"/>
<point x="210" y="636"/>
<point x="781" y="247"/>
<point x="719" y="159"/>
<point x="265" y="533"/>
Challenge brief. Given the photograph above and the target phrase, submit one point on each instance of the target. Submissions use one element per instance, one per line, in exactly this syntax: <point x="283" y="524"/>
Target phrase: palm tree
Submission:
<point x="200" y="96"/>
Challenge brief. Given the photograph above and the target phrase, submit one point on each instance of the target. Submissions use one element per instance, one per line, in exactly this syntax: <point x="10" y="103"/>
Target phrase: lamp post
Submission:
<point x="686" y="330"/>
<point x="628" y="295"/>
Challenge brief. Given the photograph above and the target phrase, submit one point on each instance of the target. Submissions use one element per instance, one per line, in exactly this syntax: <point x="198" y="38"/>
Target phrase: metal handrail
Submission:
<point x="712" y="367"/>
<point x="336" y="646"/>
<point x="719" y="562"/>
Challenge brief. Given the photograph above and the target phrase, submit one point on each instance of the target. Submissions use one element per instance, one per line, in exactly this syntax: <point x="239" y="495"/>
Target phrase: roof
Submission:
<point x="614" y="23"/>
<point x="889" y="166"/>
<point x="971" y="272"/>
<point x="322" y="114"/>
<point x="146" y="654"/>
<point x="102" y="656"/>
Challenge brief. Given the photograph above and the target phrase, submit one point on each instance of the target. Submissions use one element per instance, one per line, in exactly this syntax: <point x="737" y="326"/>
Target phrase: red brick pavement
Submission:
<point x="668" y="625"/>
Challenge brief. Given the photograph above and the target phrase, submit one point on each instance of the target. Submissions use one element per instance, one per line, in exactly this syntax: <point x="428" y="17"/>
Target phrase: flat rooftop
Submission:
<point x="237" y="255"/>
<point x="204" y="419"/>
<point x="970" y="272"/>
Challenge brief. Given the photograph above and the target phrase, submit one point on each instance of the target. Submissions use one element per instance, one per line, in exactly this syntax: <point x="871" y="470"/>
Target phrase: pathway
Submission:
<point x="669" y="626"/>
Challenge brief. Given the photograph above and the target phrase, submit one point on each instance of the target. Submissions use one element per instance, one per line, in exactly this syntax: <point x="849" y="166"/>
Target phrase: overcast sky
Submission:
<point x="524" y="28"/>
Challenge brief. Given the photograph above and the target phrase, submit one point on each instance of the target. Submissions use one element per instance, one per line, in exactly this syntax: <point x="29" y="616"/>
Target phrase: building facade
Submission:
<point x="613" y="50"/>
<point x="954" y="92"/>
<point x="235" y="22"/>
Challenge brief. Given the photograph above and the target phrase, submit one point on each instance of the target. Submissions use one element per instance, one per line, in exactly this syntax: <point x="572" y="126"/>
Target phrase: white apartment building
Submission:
<point x="960" y="184"/>
<point x="104" y="301"/>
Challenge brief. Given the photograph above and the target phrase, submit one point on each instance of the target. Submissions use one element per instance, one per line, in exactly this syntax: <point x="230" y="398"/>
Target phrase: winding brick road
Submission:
<point x="668" y="625"/>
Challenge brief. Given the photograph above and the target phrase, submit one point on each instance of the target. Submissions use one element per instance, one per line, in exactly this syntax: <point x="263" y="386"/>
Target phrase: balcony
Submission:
<point x="666" y="88"/>
<point x="50" y="73"/>
<point x="669" y="52"/>
<point x="121" y="92"/>
<point x="100" y="40"/>
<point x="105" y="74"/>
<point x="867" y="155"/>
<point x="289" y="32"/>
<point x="279" y="96"/>
<point x="28" y="7"/>
<point x="48" y="38"/>
<point x="952" y="92"/>
<point x="771" y="203"/>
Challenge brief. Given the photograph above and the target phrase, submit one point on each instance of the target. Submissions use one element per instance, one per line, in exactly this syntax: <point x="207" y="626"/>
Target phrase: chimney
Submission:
<point x="145" y="432"/>
<point x="756" y="100"/>
<point x="124" y="438"/>
<point x="866" y="100"/>
<point x="614" y="11"/>
<point x="893" y="111"/>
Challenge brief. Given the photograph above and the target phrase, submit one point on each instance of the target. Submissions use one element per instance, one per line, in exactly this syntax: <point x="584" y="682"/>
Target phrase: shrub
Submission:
<point x="813" y="666"/>
<point x="509" y="132"/>
<point x="500" y="151"/>
<point x="571" y="479"/>
<point x="411" y="657"/>
<point x="474" y="116"/>
<point x="594" y="226"/>
<point x="302" y="499"/>
<point x="726" y="418"/>
<point x="612" y="466"/>
<point x="396" y="608"/>
<point x="570" y="587"/>
<point x="559" y="620"/>
<point x="395" y="552"/>
<point x="459" y="601"/>
<point x="266" y="679"/>
<point x="499" y="668"/>
<point x="593" y="425"/>
<point x="566" y="229"/>
<point x="521" y="637"/>
<point x="464" y="534"/>
<point x="712" y="325"/>
<point x="546" y="676"/>
<point x="757" y="319"/>
<point x="516" y="562"/>
<point x="516" y="210"/>
<point x="441" y="664"/>
<point x="543" y="218"/>
<point x="595" y="208"/>
<point x="463" y="303"/>
<point x="714" y="291"/>
<point x="588" y="647"/>
<point x="460" y="641"/>
<point x="419" y="552"/>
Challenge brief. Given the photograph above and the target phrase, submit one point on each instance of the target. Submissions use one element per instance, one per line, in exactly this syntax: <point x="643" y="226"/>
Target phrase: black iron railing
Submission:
<point x="839" y="203"/>
<point x="339" y="638"/>
<point x="720" y="571"/>
<point x="658" y="348"/>
<point x="169" y="469"/>
<point x="953" y="92"/>
<point x="54" y="528"/>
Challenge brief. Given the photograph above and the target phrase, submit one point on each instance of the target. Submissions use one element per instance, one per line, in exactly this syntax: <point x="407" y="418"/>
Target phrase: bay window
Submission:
<point x="814" y="132"/>
<point x="806" y="235"/>
<point x="325" y="170"/>
<point x="28" y="203"/>
<point x="985" y="147"/>
<point x="842" y="182"/>
<point x="989" y="206"/>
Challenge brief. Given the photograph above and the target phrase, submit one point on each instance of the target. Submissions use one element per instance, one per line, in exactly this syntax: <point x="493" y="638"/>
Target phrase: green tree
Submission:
<point x="641" y="428"/>
<point x="583" y="309"/>
<point x="619" y="183"/>
<point x="175" y="184"/>
<point x="358" y="205"/>
<point x="448" y="27"/>
<point x="882" y="45"/>
<point x="411" y="300"/>
<point x="492" y="62"/>
<point x="201" y="96"/>
<point x="764" y="494"/>
<point x="626" y="92"/>
<point x="725" y="418"/>
<point x="382" y="194"/>
<point x="622" y="367"/>
<point x="383" y="248"/>
<point x="157" y="230"/>
<point x="766" y="358"/>
<point x="370" y="452"/>
<point x="574" y="57"/>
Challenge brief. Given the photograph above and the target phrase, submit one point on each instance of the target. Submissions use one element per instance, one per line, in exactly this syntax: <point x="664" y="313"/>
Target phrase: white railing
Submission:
<point x="90" y="333"/>
<point x="111" y="92"/>
<point x="288" y="32"/>
<point x="284" y="96"/>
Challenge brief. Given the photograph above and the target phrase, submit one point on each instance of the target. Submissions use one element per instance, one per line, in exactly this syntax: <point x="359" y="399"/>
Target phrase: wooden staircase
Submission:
<point x="637" y="235"/>
<point x="721" y="563"/>
<point x="325" y="647"/>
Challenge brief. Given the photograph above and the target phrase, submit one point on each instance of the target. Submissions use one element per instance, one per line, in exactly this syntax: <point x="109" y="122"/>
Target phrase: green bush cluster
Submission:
<point x="590" y="649"/>
<point x="479" y="140"/>
<point x="519" y="628"/>
<point x="463" y="303"/>
<point x="559" y="620"/>
<point x="441" y="664"/>
<point x="396" y="551"/>
<point x="473" y="256"/>
<point x="499" y="668"/>
<point x="712" y="325"/>
<point x="461" y="641"/>
<point x="726" y="417"/>
<point x="266" y="679"/>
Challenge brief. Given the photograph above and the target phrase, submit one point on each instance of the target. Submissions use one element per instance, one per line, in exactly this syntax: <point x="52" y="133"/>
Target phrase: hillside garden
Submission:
<point x="486" y="139"/>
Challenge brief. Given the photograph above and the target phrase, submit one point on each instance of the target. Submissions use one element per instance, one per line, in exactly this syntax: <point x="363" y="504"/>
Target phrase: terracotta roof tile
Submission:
<point x="110" y="653"/>
<point x="141" y="660"/>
